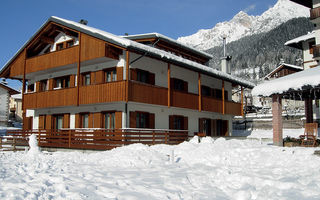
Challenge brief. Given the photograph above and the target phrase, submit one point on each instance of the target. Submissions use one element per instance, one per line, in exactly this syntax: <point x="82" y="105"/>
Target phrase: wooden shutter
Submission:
<point x="92" y="78"/>
<point x="27" y="123"/>
<point x="42" y="119"/>
<point x="72" y="80"/>
<point x="51" y="84"/>
<point x="37" y="85"/>
<point x="118" y="120"/>
<point x="185" y="123"/>
<point x="77" y="120"/>
<point x="119" y="73"/>
<point x="133" y="120"/>
<point x="99" y="77"/>
<point x="185" y="86"/>
<point x="90" y="120"/>
<point x="171" y="121"/>
<point x="48" y="121"/>
<point x="201" y="120"/>
<point x="225" y="131"/>
<point x="97" y="119"/>
<point x="151" y="78"/>
<point x="66" y="120"/>
<point x="151" y="120"/>
<point x="133" y="74"/>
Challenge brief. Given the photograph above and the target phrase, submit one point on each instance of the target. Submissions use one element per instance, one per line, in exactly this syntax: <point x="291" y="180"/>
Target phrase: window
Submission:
<point x="142" y="76"/>
<point x="142" y="120"/>
<point x="31" y="88"/>
<point x="43" y="85"/>
<point x="218" y="93"/>
<point x="58" y="122"/>
<point x="86" y="79"/>
<point x="59" y="46"/>
<point x="62" y="82"/>
<point x="110" y="75"/>
<point x="180" y="85"/>
<point x="85" y="120"/>
<point x="64" y="45"/>
<point x="205" y="91"/>
<point x="69" y="43"/>
<point x="178" y="122"/>
<point x="109" y="120"/>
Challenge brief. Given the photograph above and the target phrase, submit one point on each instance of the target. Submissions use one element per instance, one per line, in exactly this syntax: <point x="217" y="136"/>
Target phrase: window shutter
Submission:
<point x="185" y="123"/>
<point x="48" y="121"/>
<point x="51" y="84"/>
<point x="201" y="125"/>
<point x="133" y="119"/>
<point x="77" y="120"/>
<point x="119" y="73"/>
<point x="41" y="121"/>
<point x="90" y="120"/>
<point x="99" y="77"/>
<point x="133" y="74"/>
<point x="185" y="86"/>
<point x="97" y="119"/>
<point x="151" y="78"/>
<point x="151" y="120"/>
<point x="118" y="120"/>
<point x="72" y="80"/>
<point x="92" y="78"/>
<point x="38" y="84"/>
<point x="171" y="121"/>
<point x="66" y="120"/>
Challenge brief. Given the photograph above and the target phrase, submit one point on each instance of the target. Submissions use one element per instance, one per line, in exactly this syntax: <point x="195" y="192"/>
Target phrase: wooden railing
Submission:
<point x="99" y="139"/>
<point x="150" y="94"/>
<point x="184" y="100"/>
<point x="314" y="13"/>
<point x="101" y="93"/>
<point x="211" y="104"/>
<point x="233" y="108"/>
<point x="52" y="98"/>
<point x="52" y="59"/>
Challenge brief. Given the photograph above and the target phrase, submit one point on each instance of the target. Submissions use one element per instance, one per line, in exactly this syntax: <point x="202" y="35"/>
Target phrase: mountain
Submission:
<point x="242" y="25"/>
<point x="255" y="56"/>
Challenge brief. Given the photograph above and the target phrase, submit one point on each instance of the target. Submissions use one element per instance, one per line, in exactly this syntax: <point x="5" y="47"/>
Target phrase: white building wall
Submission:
<point x="307" y="57"/>
<point x="4" y="105"/>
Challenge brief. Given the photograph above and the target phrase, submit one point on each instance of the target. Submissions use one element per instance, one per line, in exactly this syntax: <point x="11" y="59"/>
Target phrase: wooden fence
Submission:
<point x="98" y="139"/>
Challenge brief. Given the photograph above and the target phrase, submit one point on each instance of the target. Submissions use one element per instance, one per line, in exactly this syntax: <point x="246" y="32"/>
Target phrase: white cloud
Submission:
<point x="249" y="8"/>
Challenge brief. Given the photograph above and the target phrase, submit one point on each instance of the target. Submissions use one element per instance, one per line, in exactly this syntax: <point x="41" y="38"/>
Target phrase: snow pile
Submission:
<point x="309" y="77"/>
<point x="33" y="144"/>
<point x="211" y="169"/>
<point x="243" y="25"/>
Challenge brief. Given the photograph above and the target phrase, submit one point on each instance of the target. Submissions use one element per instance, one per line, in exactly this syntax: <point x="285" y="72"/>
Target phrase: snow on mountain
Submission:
<point x="242" y="25"/>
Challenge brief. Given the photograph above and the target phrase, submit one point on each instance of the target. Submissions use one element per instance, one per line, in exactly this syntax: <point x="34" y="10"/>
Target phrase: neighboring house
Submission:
<point x="81" y="77"/>
<point x="15" y="107"/>
<point x="5" y="93"/>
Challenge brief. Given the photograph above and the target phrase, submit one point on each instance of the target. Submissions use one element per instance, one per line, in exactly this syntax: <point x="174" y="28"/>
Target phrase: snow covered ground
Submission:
<point x="212" y="169"/>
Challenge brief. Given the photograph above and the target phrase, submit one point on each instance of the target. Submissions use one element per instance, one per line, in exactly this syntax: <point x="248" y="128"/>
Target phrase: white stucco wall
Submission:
<point x="307" y="57"/>
<point x="4" y="105"/>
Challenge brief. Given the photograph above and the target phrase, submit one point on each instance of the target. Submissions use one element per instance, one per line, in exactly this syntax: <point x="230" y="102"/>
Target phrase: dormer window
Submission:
<point x="64" y="45"/>
<point x="70" y="43"/>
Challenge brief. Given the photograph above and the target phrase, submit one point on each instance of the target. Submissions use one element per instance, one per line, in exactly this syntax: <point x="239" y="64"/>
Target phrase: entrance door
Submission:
<point x="222" y="127"/>
<point x="205" y="126"/>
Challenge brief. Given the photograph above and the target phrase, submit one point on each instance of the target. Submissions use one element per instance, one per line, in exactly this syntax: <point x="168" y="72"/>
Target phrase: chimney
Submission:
<point x="225" y="60"/>
<point x="83" y="21"/>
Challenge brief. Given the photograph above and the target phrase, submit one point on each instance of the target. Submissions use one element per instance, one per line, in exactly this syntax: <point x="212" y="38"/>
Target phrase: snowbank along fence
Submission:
<point x="99" y="139"/>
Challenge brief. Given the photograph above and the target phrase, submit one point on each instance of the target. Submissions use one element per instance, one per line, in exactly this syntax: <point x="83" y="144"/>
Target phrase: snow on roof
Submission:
<point x="17" y="96"/>
<point x="296" y="41"/>
<point x="132" y="45"/>
<point x="281" y="65"/>
<point x="10" y="89"/>
<point x="166" y="38"/>
<point x="309" y="77"/>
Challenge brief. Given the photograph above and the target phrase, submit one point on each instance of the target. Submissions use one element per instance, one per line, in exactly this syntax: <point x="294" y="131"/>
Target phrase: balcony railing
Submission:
<point x="233" y="108"/>
<point x="52" y="60"/>
<point x="316" y="52"/>
<point x="52" y="98"/>
<point x="185" y="100"/>
<point x="314" y="13"/>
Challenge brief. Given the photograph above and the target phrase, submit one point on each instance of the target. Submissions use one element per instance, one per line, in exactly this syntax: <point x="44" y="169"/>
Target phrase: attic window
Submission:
<point x="59" y="46"/>
<point x="63" y="45"/>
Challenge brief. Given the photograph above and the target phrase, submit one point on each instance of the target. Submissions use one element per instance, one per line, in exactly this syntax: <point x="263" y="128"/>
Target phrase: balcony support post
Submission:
<point x="169" y="86"/>
<point x="78" y="71"/>
<point x="199" y="92"/>
<point x="242" y="101"/>
<point x="127" y="74"/>
<point x="223" y="103"/>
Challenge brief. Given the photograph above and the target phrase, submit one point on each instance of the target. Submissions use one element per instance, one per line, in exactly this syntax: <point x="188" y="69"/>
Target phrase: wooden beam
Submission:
<point x="78" y="71"/>
<point x="242" y="114"/>
<point x="223" y="107"/>
<point x="47" y="40"/>
<point x="24" y="86"/>
<point x="127" y="74"/>
<point x="169" y="85"/>
<point x="199" y="91"/>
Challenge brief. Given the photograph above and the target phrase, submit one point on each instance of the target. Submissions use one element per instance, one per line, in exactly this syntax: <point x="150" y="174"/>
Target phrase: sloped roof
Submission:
<point x="296" y="81"/>
<point x="10" y="89"/>
<point x="165" y="38"/>
<point x="299" y="68"/>
<point x="307" y="3"/>
<point x="138" y="47"/>
<point x="297" y="42"/>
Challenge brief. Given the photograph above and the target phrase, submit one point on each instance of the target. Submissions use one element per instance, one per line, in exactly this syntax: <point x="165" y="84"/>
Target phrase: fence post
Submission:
<point x="14" y="144"/>
<point x="165" y="138"/>
<point x="39" y="141"/>
<point x="69" y="138"/>
<point x="153" y="137"/>
<point x="0" y="142"/>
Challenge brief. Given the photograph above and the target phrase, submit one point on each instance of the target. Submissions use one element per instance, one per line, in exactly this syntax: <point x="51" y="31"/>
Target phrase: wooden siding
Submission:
<point x="101" y="93"/>
<point x="91" y="48"/>
<point x="211" y="104"/>
<point x="145" y="93"/>
<point x="233" y="108"/>
<point x="184" y="100"/>
<point x="52" y="60"/>
<point x="16" y="67"/>
<point x="119" y="73"/>
<point x="54" y="98"/>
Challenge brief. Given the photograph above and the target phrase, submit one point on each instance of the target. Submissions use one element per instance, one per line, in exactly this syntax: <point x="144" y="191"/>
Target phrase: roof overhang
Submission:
<point x="306" y="3"/>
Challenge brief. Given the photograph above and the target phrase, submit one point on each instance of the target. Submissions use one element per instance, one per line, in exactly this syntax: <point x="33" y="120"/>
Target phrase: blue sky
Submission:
<point x="20" y="19"/>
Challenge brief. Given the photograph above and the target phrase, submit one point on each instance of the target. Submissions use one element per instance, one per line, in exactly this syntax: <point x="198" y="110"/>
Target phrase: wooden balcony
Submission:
<point x="102" y="93"/>
<point x="314" y="14"/>
<point x="53" y="59"/>
<point x="211" y="104"/>
<point x="150" y="94"/>
<point x="233" y="108"/>
<point x="53" y="98"/>
<point x="316" y="52"/>
<point x="184" y="100"/>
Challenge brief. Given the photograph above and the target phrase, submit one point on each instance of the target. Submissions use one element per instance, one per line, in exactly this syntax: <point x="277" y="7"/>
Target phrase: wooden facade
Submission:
<point x="85" y="83"/>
